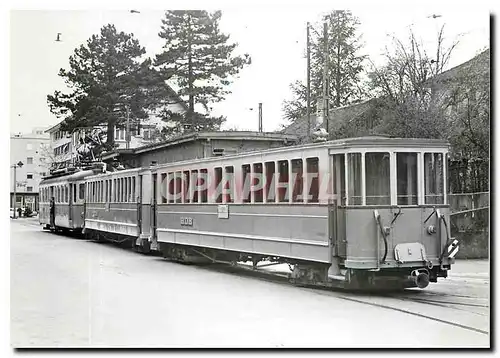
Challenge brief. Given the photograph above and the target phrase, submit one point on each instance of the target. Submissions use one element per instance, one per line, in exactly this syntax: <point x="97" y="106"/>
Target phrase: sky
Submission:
<point x="274" y="35"/>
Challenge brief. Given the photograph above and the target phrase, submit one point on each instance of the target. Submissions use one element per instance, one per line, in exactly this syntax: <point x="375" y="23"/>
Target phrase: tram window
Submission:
<point x="406" y="170"/>
<point x="129" y="190"/>
<point x="297" y="180"/>
<point x="433" y="174"/>
<point x="133" y="189"/>
<point x="170" y="188"/>
<point x="58" y="194"/>
<point x="338" y="178"/>
<point x="194" y="185"/>
<point x="66" y="190"/>
<point x="270" y="184"/>
<point x="82" y="191"/>
<point x="257" y="183"/>
<point x="164" y="188"/>
<point x="283" y="181"/>
<point x="312" y="168"/>
<point x="203" y="183"/>
<point x="129" y="198"/>
<point x="218" y="185"/>
<point x="354" y="186"/>
<point x="126" y="189"/>
<point x="378" y="179"/>
<point x="178" y="187"/>
<point x="186" y="193"/>
<point x="245" y="182"/>
<point x="122" y="189"/>
<point x="229" y="185"/>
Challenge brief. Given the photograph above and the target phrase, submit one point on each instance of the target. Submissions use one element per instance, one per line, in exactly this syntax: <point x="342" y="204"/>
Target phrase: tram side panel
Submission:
<point x="291" y="231"/>
<point x="116" y="218"/>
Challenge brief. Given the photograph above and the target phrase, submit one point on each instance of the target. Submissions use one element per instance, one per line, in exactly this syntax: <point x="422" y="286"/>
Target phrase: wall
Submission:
<point x="471" y="228"/>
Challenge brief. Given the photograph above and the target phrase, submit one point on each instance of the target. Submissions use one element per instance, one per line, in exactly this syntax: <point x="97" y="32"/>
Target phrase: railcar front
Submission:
<point x="62" y="201"/>
<point x="390" y="213"/>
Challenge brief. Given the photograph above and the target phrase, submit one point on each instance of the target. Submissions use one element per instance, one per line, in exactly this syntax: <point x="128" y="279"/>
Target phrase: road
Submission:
<point x="68" y="292"/>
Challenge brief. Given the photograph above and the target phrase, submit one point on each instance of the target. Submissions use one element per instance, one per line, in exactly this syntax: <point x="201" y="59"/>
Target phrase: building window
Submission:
<point x="29" y="188"/>
<point x="29" y="176"/>
<point x="29" y="160"/>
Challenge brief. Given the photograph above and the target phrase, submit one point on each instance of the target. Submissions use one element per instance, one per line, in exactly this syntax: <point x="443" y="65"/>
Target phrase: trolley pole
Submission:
<point x="308" y="93"/>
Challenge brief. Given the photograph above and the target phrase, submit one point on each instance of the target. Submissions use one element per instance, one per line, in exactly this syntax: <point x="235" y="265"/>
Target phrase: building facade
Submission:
<point x="65" y="147"/>
<point x="196" y="146"/>
<point x="30" y="150"/>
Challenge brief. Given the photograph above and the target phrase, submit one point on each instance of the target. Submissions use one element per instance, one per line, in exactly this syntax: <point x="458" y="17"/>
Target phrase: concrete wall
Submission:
<point x="471" y="228"/>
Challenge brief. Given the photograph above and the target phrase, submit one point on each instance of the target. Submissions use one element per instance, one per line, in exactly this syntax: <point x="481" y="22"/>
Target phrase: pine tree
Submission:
<point x="198" y="58"/>
<point x="108" y="80"/>
<point x="345" y="66"/>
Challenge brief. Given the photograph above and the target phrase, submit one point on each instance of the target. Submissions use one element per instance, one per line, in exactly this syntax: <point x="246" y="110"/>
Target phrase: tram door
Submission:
<point x="138" y="190"/>
<point x="337" y="207"/>
<point x="153" y="206"/>
<point x="70" y="202"/>
<point x="52" y="208"/>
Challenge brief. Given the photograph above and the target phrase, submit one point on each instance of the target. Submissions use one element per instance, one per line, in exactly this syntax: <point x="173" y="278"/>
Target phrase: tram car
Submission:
<point x="356" y="213"/>
<point x="62" y="199"/>
<point x="362" y="212"/>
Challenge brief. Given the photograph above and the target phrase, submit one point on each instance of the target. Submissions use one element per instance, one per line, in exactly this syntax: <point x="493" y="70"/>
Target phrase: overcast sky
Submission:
<point x="273" y="35"/>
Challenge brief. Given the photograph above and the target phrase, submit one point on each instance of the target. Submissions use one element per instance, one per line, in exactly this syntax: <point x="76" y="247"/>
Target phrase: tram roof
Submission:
<point x="70" y="177"/>
<point x="357" y="142"/>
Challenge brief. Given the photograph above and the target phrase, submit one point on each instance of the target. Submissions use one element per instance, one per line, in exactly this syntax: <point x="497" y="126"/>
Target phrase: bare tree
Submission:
<point x="406" y="84"/>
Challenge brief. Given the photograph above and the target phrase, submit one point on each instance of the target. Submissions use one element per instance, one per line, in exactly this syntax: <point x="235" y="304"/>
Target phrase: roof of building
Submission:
<point x="349" y="112"/>
<point x="483" y="57"/>
<point x="190" y="137"/>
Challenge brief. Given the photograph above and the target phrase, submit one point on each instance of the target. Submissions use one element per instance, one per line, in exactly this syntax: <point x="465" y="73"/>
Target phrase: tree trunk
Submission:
<point x="110" y="134"/>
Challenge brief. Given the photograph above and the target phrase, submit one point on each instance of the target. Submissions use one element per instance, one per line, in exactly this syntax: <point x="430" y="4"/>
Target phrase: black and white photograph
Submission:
<point x="248" y="175"/>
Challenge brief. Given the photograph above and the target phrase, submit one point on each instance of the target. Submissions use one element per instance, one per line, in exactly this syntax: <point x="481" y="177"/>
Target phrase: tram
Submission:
<point x="358" y="212"/>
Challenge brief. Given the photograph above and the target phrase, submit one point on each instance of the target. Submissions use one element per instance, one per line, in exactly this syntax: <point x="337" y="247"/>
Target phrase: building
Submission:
<point x="30" y="149"/>
<point x="197" y="145"/>
<point x="65" y="146"/>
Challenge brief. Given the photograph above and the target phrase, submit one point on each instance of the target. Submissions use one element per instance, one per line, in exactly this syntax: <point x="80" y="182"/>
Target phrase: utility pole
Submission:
<point x="260" y="117"/>
<point x="325" y="74"/>
<point x="308" y="93"/>
<point x="19" y="164"/>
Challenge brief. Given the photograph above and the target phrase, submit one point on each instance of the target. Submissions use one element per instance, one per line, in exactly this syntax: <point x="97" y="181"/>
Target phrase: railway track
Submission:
<point x="463" y="311"/>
